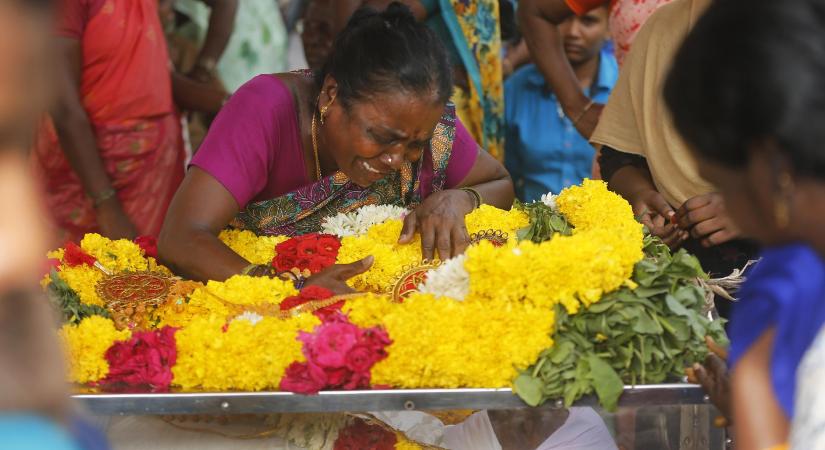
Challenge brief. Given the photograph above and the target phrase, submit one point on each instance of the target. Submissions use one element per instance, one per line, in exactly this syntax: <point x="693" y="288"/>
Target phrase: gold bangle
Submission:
<point x="584" y="111"/>
<point x="477" y="201"/>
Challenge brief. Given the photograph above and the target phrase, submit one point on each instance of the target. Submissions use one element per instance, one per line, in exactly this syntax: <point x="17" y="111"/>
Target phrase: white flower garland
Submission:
<point x="358" y="222"/>
<point x="450" y="279"/>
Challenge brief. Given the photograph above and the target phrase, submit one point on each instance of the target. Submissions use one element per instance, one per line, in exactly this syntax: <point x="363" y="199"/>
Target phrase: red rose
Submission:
<point x="336" y="377"/>
<point x="149" y="245"/>
<point x="360" y="358"/>
<point x="298" y="380"/>
<point x="75" y="256"/>
<point x="144" y="361"/>
<point x="363" y="436"/>
<point x="358" y="380"/>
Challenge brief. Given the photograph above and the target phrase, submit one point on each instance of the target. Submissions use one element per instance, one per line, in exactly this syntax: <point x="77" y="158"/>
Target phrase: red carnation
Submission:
<point x="313" y="252"/>
<point x="149" y="244"/>
<point x="75" y="256"/>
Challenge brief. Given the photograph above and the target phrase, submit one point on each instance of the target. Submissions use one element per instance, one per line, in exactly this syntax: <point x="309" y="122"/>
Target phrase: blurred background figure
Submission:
<point x="540" y="21"/>
<point x="113" y="156"/>
<point x="545" y="153"/>
<point x="35" y="412"/>
<point x="471" y="31"/>
<point x="317" y="34"/>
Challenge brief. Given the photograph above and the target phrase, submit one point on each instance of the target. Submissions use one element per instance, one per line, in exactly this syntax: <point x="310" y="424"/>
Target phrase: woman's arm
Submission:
<point x="221" y="26"/>
<point x="188" y="242"/>
<point x="491" y="180"/>
<point x="758" y="420"/>
<point x="539" y="20"/>
<point x="80" y="146"/>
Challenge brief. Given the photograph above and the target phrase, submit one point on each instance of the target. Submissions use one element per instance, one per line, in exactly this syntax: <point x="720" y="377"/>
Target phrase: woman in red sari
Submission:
<point x="112" y="156"/>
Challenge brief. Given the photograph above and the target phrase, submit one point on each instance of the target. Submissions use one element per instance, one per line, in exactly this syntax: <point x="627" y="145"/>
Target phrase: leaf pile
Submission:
<point x="66" y="300"/>
<point x="545" y="222"/>
<point x="636" y="336"/>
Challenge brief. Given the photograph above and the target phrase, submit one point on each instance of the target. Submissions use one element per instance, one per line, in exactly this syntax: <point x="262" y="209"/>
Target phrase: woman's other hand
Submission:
<point x="440" y="221"/>
<point x="113" y="221"/>
<point x="653" y="211"/>
<point x="335" y="277"/>
<point x="707" y="220"/>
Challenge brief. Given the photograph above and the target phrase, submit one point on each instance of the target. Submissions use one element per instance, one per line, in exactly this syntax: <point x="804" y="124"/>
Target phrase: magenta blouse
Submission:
<point x="254" y="148"/>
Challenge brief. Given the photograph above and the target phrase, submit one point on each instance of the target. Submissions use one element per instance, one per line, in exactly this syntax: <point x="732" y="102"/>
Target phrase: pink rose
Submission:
<point x="331" y="344"/>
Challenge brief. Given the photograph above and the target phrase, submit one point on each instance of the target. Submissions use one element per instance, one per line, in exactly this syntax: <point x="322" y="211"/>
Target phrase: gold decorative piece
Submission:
<point x="410" y="278"/>
<point x="495" y="237"/>
<point x="131" y="294"/>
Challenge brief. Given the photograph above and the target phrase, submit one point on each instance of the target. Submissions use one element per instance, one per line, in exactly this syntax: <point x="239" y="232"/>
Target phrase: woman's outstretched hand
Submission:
<point x="440" y="221"/>
<point x="335" y="277"/>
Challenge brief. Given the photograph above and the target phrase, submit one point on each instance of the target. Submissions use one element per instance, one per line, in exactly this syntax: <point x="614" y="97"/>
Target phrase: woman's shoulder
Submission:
<point x="795" y="262"/>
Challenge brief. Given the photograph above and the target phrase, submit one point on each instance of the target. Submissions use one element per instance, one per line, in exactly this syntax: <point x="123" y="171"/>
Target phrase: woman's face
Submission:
<point x="376" y="136"/>
<point x="749" y="194"/>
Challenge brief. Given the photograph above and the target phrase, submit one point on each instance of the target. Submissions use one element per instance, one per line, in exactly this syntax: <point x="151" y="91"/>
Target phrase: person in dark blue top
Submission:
<point x="544" y="152"/>
<point x="745" y="91"/>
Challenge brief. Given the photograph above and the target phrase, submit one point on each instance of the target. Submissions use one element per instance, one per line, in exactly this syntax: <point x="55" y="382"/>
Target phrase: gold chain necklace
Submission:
<point x="315" y="147"/>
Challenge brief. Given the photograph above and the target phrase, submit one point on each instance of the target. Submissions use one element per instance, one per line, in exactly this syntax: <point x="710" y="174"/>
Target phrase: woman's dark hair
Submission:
<point x="389" y="51"/>
<point x="753" y="71"/>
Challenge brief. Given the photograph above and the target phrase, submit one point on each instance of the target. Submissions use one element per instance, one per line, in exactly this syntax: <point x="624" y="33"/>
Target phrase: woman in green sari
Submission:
<point x="373" y="127"/>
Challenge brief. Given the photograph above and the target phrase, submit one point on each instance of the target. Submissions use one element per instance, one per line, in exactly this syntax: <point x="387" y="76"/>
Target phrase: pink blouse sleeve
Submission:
<point x="462" y="158"/>
<point x="247" y="135"/>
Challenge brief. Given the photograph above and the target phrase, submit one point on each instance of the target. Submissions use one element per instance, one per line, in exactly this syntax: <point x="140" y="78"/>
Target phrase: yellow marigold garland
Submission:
<point x="120" y="255"/>
<point x="82" y="279"/>
<point x="245" y="356"/>
<point x="86" y="344"/>
<point x="381" y="242"/>
<point x="253" y="248"/>
<point x="467" y="344"/>
<point x="227" y="298"/>
<point x="599" y="257"/>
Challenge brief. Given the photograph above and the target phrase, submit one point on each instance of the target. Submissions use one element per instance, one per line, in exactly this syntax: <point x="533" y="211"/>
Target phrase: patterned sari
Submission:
<point x="304" y="209"/>
<point x="475" y="34"/>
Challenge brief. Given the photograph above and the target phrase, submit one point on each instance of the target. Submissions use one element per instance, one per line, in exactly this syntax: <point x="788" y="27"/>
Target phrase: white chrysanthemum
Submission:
<point x="250" y="317"/>
<point x="450" y="279"/>
<point x="550" y="200"/>
<point x="356" y="223"/>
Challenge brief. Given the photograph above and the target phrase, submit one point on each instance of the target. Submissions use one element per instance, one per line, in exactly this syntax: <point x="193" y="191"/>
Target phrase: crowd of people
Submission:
<point x="177" y="119"/>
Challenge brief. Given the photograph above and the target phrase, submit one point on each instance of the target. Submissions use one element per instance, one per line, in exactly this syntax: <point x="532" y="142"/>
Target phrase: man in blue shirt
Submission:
<point x="544" y="152"/>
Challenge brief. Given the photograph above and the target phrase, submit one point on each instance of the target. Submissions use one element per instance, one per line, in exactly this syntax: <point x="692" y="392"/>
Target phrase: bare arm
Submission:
<point x="221" y="26"/>
<point x="491" y="180"/>
<point x="539" y="20"/>
<point x="758" y="420"/>
<point x="80" y="145"/>
<point x="188" y="242"/>
<point x="192" y="95"/>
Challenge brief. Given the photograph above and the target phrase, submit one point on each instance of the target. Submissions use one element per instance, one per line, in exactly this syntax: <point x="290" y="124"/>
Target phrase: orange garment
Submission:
<point x="126" y="92"/>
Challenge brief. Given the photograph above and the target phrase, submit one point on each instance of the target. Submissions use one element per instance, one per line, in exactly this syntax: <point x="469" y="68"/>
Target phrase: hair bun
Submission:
<point x="398" y="14"/>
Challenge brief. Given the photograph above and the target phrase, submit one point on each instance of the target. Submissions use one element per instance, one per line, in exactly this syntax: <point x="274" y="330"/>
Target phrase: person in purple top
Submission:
<point x="374" y="126"/>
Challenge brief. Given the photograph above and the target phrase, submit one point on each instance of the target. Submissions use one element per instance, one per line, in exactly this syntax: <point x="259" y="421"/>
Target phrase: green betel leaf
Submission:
<point x="675" y="306"/>
<point x="645" y="324"/>
<point x="529" y="389"/>
<point x="606" y="382"/>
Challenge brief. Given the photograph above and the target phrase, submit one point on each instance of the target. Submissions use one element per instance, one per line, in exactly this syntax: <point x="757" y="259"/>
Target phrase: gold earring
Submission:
<point x="781" y="210"/>
<point x="325" y="108"/>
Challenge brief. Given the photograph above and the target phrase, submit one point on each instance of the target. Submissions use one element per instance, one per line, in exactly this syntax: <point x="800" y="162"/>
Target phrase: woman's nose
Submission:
<point x="393" y="159"/>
